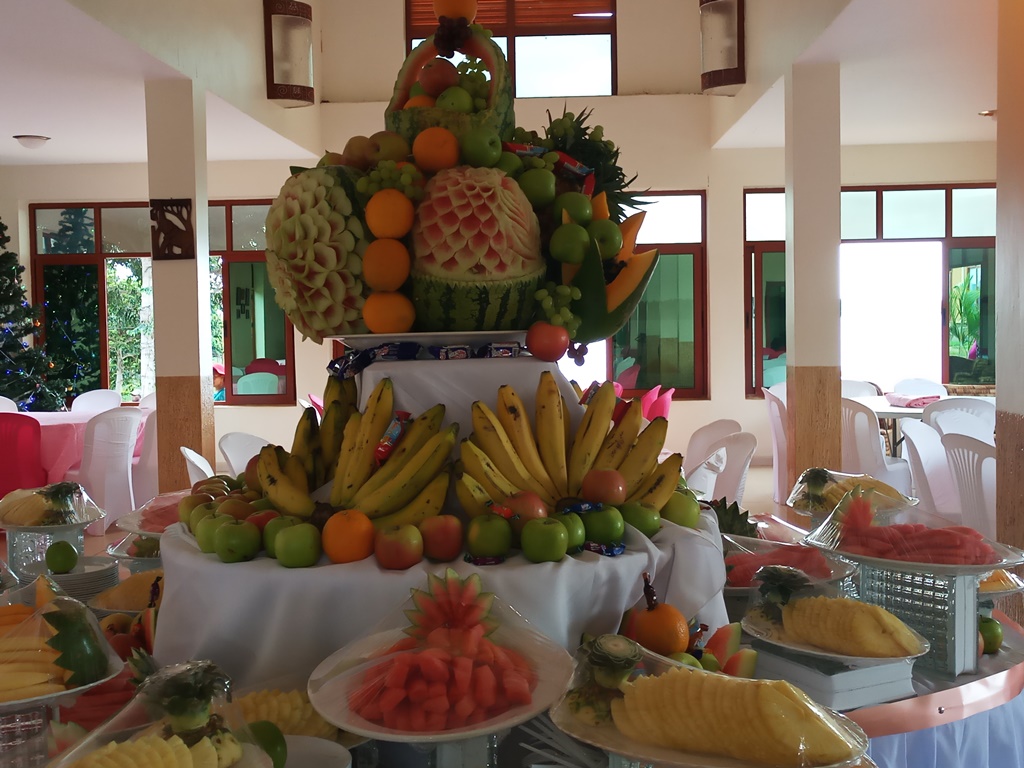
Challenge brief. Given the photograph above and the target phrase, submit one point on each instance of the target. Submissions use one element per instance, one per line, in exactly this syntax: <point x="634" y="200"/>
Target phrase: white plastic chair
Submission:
<point x="257" y="384"/>
<point x="146" y="471"/>
<point x="983" y="409"/>
<point x="933" y="481"/>
<point x="973" y="464"/>
<point x="779" y="390"/>
<point x="726" y="467"/>
<point x="198" y="467"/>
<point x="857" y="388"/>
<point x="106" y="468"/>
<point x="862" y="450"/>
<point x="148" y="402"/>
<point x="239" y="447"/>
<point x="919" y="387"/>
<point x="7" y="405"/>
<point x="702" y="439"/>
<point x="780" y="445"/>
<point x="964" y="423"/>
<point x="96" y="401"/>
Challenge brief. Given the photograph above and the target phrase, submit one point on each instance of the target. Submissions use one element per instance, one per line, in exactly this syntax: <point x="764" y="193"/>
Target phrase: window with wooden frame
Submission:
<point x="554" y="49"/>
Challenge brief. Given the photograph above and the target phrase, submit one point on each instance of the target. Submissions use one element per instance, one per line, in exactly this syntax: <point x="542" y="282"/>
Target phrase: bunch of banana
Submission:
<point x="850" y="627"/>
<point x="288" y="710"/>
<point x="506" y="454"/>
<point x="284" y="481"/>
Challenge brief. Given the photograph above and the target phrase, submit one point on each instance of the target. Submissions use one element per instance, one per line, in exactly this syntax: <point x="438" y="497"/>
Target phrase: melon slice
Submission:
<point x="725" y="642"/>
<point x="743" y="663"/>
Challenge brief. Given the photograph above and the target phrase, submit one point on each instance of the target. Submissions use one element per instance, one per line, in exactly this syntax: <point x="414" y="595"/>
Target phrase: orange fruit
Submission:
<point x="389" y="213"/>
<point x="419" y="101"/>
<point x="388" y="312"/>
<point x="455" y="9"/>
<point x="659" y="627"/>
<point x="435" y="149"/>
<point x="386" y="264"/>
<point x="348" y="536"/>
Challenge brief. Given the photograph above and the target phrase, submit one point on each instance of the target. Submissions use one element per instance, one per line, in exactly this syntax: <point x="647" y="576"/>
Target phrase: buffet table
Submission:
<point x="270" y="626"/>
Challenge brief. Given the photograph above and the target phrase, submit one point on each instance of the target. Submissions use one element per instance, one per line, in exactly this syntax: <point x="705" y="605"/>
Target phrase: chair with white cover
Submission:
<point x="702" y="438"/>
<point x="106" y="468"/>
<point x="148" y="402"/>
<point x="983" y="409"/>
<point x="198" y="467"/>
<point x="96" y="401"/>
<point x="919" y="387"/>
<point x="858" y="388"/>
<point x="780" y="445"/>
<point x="973" y="464"/>
<point x="964" y="423"/>
<point x="933" y="482"/>
<point x="779" y="390"/>
<point x="239" y="447"/>
<point x="146" y="472"/>
<point x="862" y="450"/>
<point x="723" y="474"/>
<point x="260" y="383"/>
<point x="7" y="405"/>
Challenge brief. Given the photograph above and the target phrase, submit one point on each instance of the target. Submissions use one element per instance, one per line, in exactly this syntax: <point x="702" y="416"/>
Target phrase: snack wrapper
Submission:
<point x="818" y="491"/>
<point x="182" y="708"/>
<point x="56" y="504"/>
<point x="451" y="662"/>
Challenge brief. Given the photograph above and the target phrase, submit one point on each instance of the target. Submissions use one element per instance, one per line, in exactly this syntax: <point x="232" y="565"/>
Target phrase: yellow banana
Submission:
<point x="415" y="474"/>
<point x="332" y="429"/>
<point x="471" y="495"/>
<point x="424" y="427"/>
<point x="493" y="439"/>
<point x="267" y="465"/>
<point x="306" y="444"/>
<point x="295" y="471"/>
<point x="658" y="487"/>
<point x="282" y="492"/>
<point x="513" y="416"/>
<point x="550" y="418"/>
<point x="428" y="503"/>
<point x="478" y="464"/>
<point x="621" y="438"/>
<point x="566" y="437"/>
<point x="348" y="447"/>
<point x="590" y="435"/>
<point x="643" y="456"/>
<point x="377" y="416"/>
<point x="342" y="391"/>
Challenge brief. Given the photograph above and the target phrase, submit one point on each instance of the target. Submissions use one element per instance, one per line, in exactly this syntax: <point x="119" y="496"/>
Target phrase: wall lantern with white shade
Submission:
<point x="288" y="40"/>
<point x="31" y="140"/>
<point x="722" y="60"/>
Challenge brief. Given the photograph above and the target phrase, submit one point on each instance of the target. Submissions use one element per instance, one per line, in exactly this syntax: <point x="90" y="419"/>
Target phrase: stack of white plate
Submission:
<point x="89" y="577"/>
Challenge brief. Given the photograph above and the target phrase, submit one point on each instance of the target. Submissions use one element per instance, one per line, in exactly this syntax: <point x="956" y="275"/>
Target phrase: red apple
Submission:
<point x="442" y="538"/>
<point x="236" y="506"/>
<point x="527" y="506"/>
<point x="261" y="518"/>
<point x="437" y="76"/>
<point x="398" y="548"/>
<point x="605" y="486"/>
<point x="252" y="475"/>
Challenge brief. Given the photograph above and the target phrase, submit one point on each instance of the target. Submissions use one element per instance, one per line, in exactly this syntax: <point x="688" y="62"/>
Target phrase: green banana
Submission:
<point x="427" y="503"/>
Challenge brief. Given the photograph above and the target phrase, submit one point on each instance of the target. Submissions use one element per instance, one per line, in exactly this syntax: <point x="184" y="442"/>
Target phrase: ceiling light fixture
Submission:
<point x="722" y="56"/>
<point x="31" y="140"/>
<point x="988" y="113"/>
<point x="288" y="41"/>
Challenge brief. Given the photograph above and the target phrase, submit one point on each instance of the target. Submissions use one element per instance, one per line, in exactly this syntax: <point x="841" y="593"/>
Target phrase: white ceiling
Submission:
<point x="912" y="71"/>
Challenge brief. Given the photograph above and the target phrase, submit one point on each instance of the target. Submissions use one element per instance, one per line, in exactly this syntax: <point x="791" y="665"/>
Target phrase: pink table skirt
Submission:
<point x="63" y="441"/>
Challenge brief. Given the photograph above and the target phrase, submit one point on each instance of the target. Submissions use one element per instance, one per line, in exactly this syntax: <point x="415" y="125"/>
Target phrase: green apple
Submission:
<point x="206" y="528"/>
<point x="643" y="517"/>
<point x="263" y="504"/>
<point x="992" y="632"/>
<point x="190" y="502"/>
<point x="489" y="535"/>
<point x="298" y="546"/>
<point x="685" y="658"/>
<point x="569" y="243"/>
<point x="604" y="525"/>
<point x="682" y="508"/>
<point x="388" y="145"/>
<point x="544" y="540"/>
<point x="574" y="527"/>
<point x="576" y="204"/>
<point x="607" y="235"/>
<point x="274" y="527"/>
<point x="455" y="99"/>
<point x="197" y="514"/>
<point x="236" y="541"/>
<point x="480" y="147"/>
<point x="538" y="184"/>
<point x="330" y="158"/>
<point x="510" y="163"/>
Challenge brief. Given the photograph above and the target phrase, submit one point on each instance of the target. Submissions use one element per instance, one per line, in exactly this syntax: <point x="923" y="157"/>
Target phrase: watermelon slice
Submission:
<point x="725" y="642"/>
<point x="743" y="663"/>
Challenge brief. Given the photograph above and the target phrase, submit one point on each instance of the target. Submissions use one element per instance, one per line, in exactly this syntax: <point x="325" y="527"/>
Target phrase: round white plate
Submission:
<point x="611" y="739"/>
<point x="995" y="594"/>
<point x="132" y="523"/>
<point x="473" y="339"/>
<point x="1009" y="557"/>
<point x="311" y="752"/>
<point x="329" y="688"/>
<point x="767" y="631"/>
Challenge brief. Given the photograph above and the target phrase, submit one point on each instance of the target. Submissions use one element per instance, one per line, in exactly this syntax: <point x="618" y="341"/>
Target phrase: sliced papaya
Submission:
<point x="599" y="206"/>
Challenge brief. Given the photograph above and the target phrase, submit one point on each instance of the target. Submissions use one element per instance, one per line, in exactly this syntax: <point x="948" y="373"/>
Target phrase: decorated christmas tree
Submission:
<point x="27" y="372"/>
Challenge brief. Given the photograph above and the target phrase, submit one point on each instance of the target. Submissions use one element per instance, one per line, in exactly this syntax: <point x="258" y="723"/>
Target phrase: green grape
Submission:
<point x="577" y="294"/>
<point x="363" y="184"/>
<point x="539" y="294"/>
<point x="563" y="290"/>
<point x="547" y="303"/>
<point x="565" y="314"/>
<point x="557" y="320"/>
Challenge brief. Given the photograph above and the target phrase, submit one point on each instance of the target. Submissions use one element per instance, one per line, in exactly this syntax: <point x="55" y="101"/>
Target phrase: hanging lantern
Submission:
<point x="288" y="41"/>
<point x="722" y="61"/>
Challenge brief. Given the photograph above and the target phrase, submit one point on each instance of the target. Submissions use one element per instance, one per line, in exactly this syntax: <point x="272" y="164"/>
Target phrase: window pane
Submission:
<point x="458" y="58"/>
<point x="218" y="228"/>
<point x="656" y="346"/>
<point x="858" y="213"/>
<point x="131" y="363"/>
<point x="670" y="219"/>
<point x="765" y="216"/>
<point x="773" y="321"/>
<point x="126" y="230"/>
<point x="257" y="331"/>
<point x="972" y="319"/>
<point x="974" y="212"/>
<point x="913" y="213"/>
<point x="69" y="230"/>
<point x="217" y="308"/>
<point x="248" y="227"/>
<point x="72" y="323"/>
<point x="564" y="65"/>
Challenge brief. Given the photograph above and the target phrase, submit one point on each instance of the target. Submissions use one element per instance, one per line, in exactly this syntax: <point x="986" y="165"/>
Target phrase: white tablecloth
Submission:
<point x="269" y="625"/>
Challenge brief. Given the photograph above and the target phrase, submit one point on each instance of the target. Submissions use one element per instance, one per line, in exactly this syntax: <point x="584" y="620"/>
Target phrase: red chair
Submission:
<point x="23" y="467"/>
<point x="265" y="365"/>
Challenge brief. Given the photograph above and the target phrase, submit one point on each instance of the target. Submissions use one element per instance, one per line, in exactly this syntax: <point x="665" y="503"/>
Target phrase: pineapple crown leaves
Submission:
<point x="184" y="688"/>
<point x="142" y="665"/>
<point x="778" y="585"/>
<point x="732" y="519"/>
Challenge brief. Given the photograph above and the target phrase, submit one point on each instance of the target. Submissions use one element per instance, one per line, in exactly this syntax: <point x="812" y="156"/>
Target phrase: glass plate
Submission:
<point x="328" y="692"/>
<point x="840" y="568"/>
<point x="756" y="624"/>
<point x="610" y="739"/>
<point x="995" y="594"/>
<point x="1009" y="557"/>
<point x="120" y="550"/>
<point x="132" y="523"/>
<point x="471" y="338"/>
<point x="311" y="752"/>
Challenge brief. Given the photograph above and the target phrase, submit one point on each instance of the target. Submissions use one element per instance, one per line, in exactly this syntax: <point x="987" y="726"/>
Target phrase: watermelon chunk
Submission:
<point x="743" y="663"/>
<point x="725" y="642"/>
<point x="485" y="686"/>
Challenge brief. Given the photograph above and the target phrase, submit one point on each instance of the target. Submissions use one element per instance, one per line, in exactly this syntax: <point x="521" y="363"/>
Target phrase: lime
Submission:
<point x="270" y="739"/>
<point x="61" y="557"/>
<point x="992" y="632"/>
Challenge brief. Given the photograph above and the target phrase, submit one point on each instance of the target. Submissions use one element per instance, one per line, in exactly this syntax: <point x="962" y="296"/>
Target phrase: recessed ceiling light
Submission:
<point x="31" y="140"/>
<point x="988" y="113"/>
